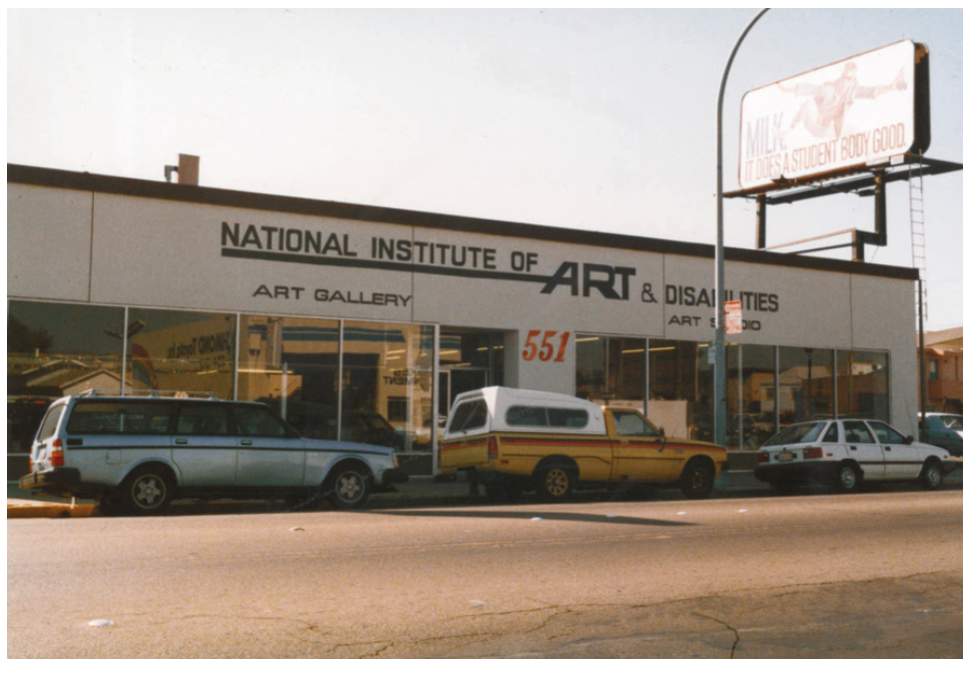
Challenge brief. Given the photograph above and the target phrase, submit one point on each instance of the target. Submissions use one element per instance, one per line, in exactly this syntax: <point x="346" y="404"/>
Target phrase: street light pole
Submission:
<point x="720" y="367"/>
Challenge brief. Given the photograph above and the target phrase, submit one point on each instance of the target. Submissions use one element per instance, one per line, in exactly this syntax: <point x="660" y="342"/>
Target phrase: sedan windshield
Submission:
<point x="795" y="434"/>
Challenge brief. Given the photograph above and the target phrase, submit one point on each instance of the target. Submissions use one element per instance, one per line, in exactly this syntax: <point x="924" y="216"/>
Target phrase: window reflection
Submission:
<point x="292" y="364"/>
<point x="174" y="351"/>
<point x="382" y="382"/>
<point x="611" y="370"/>
<point x="766" y="388"/>
<point x="382" y="396"/>
<point x="862" y="384"/>
<point x="754" y="421"/>
<point x="674" y="387"/>
<point x="387" y="389"/>
<point x="55" y="349"/>
<point x="805" y="384"/>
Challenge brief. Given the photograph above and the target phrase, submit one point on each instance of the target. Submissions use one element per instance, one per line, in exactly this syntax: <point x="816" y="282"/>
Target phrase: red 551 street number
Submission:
<point x="546" y="346"/>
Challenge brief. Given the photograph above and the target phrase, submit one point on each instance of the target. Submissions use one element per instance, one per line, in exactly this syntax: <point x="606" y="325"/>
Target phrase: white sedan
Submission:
<point x="845" y="453"/>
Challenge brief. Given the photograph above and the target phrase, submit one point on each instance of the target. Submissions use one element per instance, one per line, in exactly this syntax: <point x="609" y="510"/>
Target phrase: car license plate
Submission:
<point x="785" y="456"/>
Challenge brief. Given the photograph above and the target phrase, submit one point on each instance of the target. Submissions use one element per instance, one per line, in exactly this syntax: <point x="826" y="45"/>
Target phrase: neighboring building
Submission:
<point x="944" y="370"/>
<point x="388" y="314"/>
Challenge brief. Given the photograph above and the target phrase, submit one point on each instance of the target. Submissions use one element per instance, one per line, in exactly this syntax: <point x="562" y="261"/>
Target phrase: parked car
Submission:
<point x="943" y="430"/>
<point x="135" y="455"/>
<point x="845" y="453"/>
<point x="514" y="440"/>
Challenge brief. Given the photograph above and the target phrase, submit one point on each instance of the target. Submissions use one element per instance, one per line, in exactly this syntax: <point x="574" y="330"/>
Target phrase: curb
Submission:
<point x="424" y="493"/>
<point x="48" y="510"/>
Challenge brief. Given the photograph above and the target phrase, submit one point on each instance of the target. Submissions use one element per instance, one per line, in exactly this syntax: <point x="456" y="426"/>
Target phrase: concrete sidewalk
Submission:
<point x="418" y="492"/>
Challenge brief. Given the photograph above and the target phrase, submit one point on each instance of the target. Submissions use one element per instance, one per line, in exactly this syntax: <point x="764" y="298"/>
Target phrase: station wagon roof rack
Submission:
<point x="190" y="394"/>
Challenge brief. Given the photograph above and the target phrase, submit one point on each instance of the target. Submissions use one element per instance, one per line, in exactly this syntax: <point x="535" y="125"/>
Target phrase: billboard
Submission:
<point x="860" y="111"/>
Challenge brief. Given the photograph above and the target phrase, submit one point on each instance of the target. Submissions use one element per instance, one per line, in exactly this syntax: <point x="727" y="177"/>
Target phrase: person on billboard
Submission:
<point x="822" y="115"/>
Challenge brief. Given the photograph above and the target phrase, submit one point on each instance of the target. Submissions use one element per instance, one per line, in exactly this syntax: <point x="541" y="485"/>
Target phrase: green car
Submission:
<point x="943" y="430"/>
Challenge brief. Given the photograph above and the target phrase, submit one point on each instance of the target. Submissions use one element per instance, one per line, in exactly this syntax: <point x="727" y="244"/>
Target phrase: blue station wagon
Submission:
<point x="134" y="455"/>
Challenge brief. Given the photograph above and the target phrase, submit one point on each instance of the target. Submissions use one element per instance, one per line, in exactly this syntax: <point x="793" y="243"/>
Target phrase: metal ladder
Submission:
<point x="916" y="199"/>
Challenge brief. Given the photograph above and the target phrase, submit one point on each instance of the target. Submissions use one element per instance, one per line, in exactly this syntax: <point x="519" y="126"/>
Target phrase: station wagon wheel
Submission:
<point x="697" y="480"/>
<point x="555" y="482"/>
<point x="847" y="478"/>
<point x="147" y="491"/>
<point x="931" y="475"/>
<point x="348" y="488"/>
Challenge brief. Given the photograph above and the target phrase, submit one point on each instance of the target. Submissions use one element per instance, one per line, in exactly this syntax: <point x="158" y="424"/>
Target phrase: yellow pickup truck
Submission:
<point x="513" y="440"/>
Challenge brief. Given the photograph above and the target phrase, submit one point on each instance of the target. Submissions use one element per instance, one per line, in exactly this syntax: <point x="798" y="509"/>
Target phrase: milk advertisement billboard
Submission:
<point x="861" y="111"/>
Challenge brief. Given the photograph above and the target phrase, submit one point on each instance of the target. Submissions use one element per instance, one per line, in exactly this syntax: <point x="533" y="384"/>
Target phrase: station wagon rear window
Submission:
<point x="50" y="422"/>
<point x="118" y="418"/>
<point x="546" y="417"/>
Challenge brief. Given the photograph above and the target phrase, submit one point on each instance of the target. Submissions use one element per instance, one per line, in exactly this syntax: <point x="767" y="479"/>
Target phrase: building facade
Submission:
<point x="944" y="356"/>
<point x="363" y="323"/>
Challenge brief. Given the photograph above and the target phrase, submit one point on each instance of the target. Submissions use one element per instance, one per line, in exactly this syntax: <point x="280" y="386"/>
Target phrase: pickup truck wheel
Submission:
<point x="931" y="475"/>
<point x="146" y="491"/>
<point x="555" y="483"/>
<point x="697" y="480"/>
<point x="847" y="479"/>
<point x="348" y="488"/>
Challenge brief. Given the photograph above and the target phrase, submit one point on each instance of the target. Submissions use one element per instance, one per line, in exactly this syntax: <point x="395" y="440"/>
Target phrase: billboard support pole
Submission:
<point x="761" y="222"/>
<point x="720" y="369"/>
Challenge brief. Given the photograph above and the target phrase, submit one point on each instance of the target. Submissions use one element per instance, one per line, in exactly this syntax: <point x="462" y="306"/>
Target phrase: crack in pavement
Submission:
<point x="737" y="636"/>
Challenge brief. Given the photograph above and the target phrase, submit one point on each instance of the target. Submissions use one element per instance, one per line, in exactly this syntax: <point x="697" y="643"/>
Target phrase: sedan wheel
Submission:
<point x="931" y="475"/>
<point x="847" y="479"/>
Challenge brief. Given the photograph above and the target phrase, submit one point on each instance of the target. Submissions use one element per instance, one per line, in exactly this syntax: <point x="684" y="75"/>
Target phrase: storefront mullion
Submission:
<point x="125" y="343"/>
<point x="340" y="370"/>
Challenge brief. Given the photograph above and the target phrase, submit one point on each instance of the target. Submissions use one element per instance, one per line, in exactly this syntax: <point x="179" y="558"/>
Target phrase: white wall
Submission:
<point x="116" y="249"/>
<point x="49" y="236"/>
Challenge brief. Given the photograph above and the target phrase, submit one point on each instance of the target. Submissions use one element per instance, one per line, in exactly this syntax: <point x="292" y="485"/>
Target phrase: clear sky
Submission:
<point x="600" y="120"/>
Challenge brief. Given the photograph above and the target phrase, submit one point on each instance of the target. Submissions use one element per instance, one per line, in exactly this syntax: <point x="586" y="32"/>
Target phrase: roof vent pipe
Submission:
<point x="188" y="170"/>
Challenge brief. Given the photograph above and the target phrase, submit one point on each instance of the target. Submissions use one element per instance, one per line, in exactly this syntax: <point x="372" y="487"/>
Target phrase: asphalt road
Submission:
<point x="876" y="575"/>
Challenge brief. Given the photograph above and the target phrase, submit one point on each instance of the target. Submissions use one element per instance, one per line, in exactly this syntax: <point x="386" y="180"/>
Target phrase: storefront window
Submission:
<point x="469" y="360"/>
<point x="293" y="364"/>
<point x="703" y="405"/>
<point x="754" y="421"/>
<point x="805" y="378"/>
<point x="673" y="386"/>
<point x="55" y="349"/>
<point x="611" y="370"/>
<point x="862" y="384"/>
<point x="387" y="389"/>
<point x="170" y="350"/>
